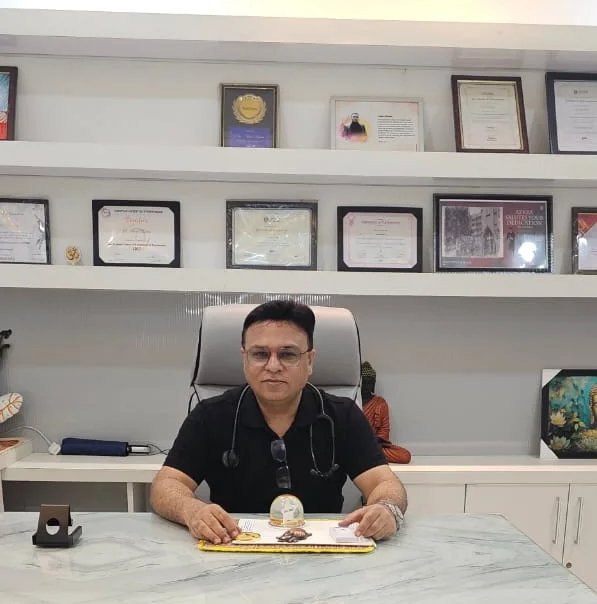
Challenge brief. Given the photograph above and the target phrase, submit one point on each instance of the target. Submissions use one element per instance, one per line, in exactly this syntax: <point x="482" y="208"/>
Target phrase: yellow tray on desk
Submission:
<point x="265" y="539"/>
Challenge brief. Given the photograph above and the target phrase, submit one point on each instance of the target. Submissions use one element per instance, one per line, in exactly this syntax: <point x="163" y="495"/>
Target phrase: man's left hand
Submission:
<point x="375" y="521"/>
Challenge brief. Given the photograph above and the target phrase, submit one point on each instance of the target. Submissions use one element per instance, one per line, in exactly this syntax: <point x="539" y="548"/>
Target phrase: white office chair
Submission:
<point x="218" y="366"/>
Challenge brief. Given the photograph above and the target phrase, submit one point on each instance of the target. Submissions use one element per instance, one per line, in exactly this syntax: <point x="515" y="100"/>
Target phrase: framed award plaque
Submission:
<point x="249" y="116"/>
<point x="489" y="114"/>
<point x="136" y="233"/>
<point x="24" y="231"/>
<point x="584" y="240"/>
<point x="271" y="234"/>
<point x="374" y="238"/>
<point x="493" y="233"/>
<point x="8" y="95"/>
<point x="572" y="112"/>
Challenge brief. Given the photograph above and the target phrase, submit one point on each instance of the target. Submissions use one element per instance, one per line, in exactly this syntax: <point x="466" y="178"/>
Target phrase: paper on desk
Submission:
<point x="316" y="536"/>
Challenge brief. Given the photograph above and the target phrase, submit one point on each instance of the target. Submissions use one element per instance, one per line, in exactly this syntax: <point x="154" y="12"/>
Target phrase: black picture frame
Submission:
<point x="379" y="213"/>
<point x="249" y="115"/>
<point x="556" y="144"/>
<point x="583" y="219"/>
<point x="492" y="233"/>
<point x="8" y="89"/>
<point x="568" y="412"/>
<point x="459" y="123"/>
<point x="99" y="205"/>
<point x="45" y="226"/>
<point x="276" y="210"/>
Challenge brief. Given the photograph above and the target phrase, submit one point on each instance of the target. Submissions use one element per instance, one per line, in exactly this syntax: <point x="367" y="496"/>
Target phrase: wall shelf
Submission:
<point x="295" y="166"/>
<point x="296" y="40"/>
<point x="42" y="467"/>
<point x="472" y="285"/>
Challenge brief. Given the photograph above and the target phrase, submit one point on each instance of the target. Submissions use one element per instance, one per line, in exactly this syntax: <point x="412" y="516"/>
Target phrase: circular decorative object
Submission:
<point x="249" y="108"/>
<point x="248" y="536"/>
<point x="10" y="404"/>
<point x="72" y="254"/>
<point x="286" y="511"/>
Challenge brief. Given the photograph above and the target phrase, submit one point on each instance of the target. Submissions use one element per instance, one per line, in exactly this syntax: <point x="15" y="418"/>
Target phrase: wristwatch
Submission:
<point x="395" y="510"/>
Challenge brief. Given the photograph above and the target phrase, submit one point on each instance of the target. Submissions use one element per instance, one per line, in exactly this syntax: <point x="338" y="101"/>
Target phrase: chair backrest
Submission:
<point x="218" y="366"/>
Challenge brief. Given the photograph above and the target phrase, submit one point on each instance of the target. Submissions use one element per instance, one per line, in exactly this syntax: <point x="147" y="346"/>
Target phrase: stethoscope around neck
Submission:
<point x="231" y="459"/>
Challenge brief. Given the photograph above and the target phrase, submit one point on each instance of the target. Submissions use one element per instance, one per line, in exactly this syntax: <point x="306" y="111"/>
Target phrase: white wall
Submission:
<point x="462" y="376"/>
<point x="556" y="12"/>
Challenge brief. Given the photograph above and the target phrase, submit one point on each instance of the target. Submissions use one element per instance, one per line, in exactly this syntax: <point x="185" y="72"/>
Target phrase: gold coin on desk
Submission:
<point x="72" y="254"/>
<point x="248" y="537"/>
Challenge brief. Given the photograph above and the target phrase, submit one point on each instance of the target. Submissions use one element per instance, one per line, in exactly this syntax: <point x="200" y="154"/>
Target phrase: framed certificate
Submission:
<point x="271" y="234"/>
<point x="249" y="116"/>
<point x="136" y="233"/>
<point x="493" y="233"/>
<point x="24" y="231"/>
<point x="572" y="112"/>
<point x="8" y="95"/>
<point x="375" y="238"/>
<point x="377" y="124"/>
<point x="569" y="412"/>
<point x="489" y="114"/>
<point x="584" y="241"/>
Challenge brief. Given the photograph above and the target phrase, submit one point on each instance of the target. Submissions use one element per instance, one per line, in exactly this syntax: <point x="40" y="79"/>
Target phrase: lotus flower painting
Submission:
<point x="569" y="412"/>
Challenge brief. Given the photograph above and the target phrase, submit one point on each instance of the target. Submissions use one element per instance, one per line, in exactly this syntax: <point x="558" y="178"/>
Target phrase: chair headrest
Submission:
<point x="218" y="366"/>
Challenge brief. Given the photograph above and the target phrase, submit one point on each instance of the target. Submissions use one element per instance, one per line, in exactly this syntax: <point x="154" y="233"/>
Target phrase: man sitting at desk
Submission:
<point x="277" y="434"/>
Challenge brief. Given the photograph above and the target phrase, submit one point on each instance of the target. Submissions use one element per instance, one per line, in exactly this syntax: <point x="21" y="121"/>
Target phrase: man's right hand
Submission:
<point x="211" y="522"/>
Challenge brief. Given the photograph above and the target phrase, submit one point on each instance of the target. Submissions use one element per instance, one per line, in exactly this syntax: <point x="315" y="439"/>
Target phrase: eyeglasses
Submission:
<point x="278" y="450"/>
<point x="289" y="357"/>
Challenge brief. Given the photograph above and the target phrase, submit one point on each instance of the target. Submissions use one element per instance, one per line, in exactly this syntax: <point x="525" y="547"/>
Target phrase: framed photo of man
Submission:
<point x="496" y="233"/>
<point x="572" y="112"/>
<point x="584" y="240"/>
<point x="8" y="96"/>
<point x="249" y="115"/>
<point x="489" y="114"/>
<point x="271" y="234"/>
<point x="381" y="124"/>
<point x="379" y="238"/>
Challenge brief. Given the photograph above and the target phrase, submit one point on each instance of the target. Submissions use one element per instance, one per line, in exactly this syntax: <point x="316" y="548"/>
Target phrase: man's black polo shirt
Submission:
<point x="251" y="487"/>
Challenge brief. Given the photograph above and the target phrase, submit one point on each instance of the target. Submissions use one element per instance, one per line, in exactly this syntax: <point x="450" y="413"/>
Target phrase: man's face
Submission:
<point x="276" y="381"/>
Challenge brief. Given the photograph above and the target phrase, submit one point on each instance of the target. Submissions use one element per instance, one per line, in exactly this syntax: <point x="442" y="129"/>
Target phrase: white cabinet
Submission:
<point x="426" y="499"/>
<point x="538" y="510"/>
<point x="556" y="517"/>
<point x="580" y="547"/>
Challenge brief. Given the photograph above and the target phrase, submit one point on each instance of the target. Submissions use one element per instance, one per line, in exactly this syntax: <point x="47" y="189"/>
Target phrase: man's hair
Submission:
<point x="282" y="310"/>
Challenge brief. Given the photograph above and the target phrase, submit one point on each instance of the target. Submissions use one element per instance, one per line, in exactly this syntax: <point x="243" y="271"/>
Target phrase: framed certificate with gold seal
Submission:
<point x="249" y="115"/>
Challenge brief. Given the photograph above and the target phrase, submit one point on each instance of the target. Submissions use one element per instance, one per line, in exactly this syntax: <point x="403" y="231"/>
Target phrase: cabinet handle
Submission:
<point x="557" y="526"/>
<point x="579" y="502"/>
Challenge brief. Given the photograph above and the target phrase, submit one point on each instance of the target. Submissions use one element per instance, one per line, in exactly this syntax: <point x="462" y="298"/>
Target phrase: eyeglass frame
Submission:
<point x="277" y="449"/>
<point x="252" y="362"/>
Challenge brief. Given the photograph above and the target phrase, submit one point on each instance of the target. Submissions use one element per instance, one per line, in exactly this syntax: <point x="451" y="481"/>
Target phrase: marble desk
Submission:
<point x="141" y="559"/>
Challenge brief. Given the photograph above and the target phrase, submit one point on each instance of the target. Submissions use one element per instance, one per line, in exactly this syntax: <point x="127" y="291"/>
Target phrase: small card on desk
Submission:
<point x="345" y="534"/>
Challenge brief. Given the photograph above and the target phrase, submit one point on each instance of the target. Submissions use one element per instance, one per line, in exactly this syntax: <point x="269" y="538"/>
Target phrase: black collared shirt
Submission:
<point x="251" y="487"/>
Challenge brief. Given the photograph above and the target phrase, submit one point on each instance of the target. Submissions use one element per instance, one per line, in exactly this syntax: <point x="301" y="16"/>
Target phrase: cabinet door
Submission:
<point x="426" y="499"/>
<point x="538" y="510"/>
<point x="580" y="549"/>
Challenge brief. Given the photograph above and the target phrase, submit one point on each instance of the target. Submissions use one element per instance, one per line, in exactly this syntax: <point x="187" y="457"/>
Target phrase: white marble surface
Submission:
<point x="140" y="558"/>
